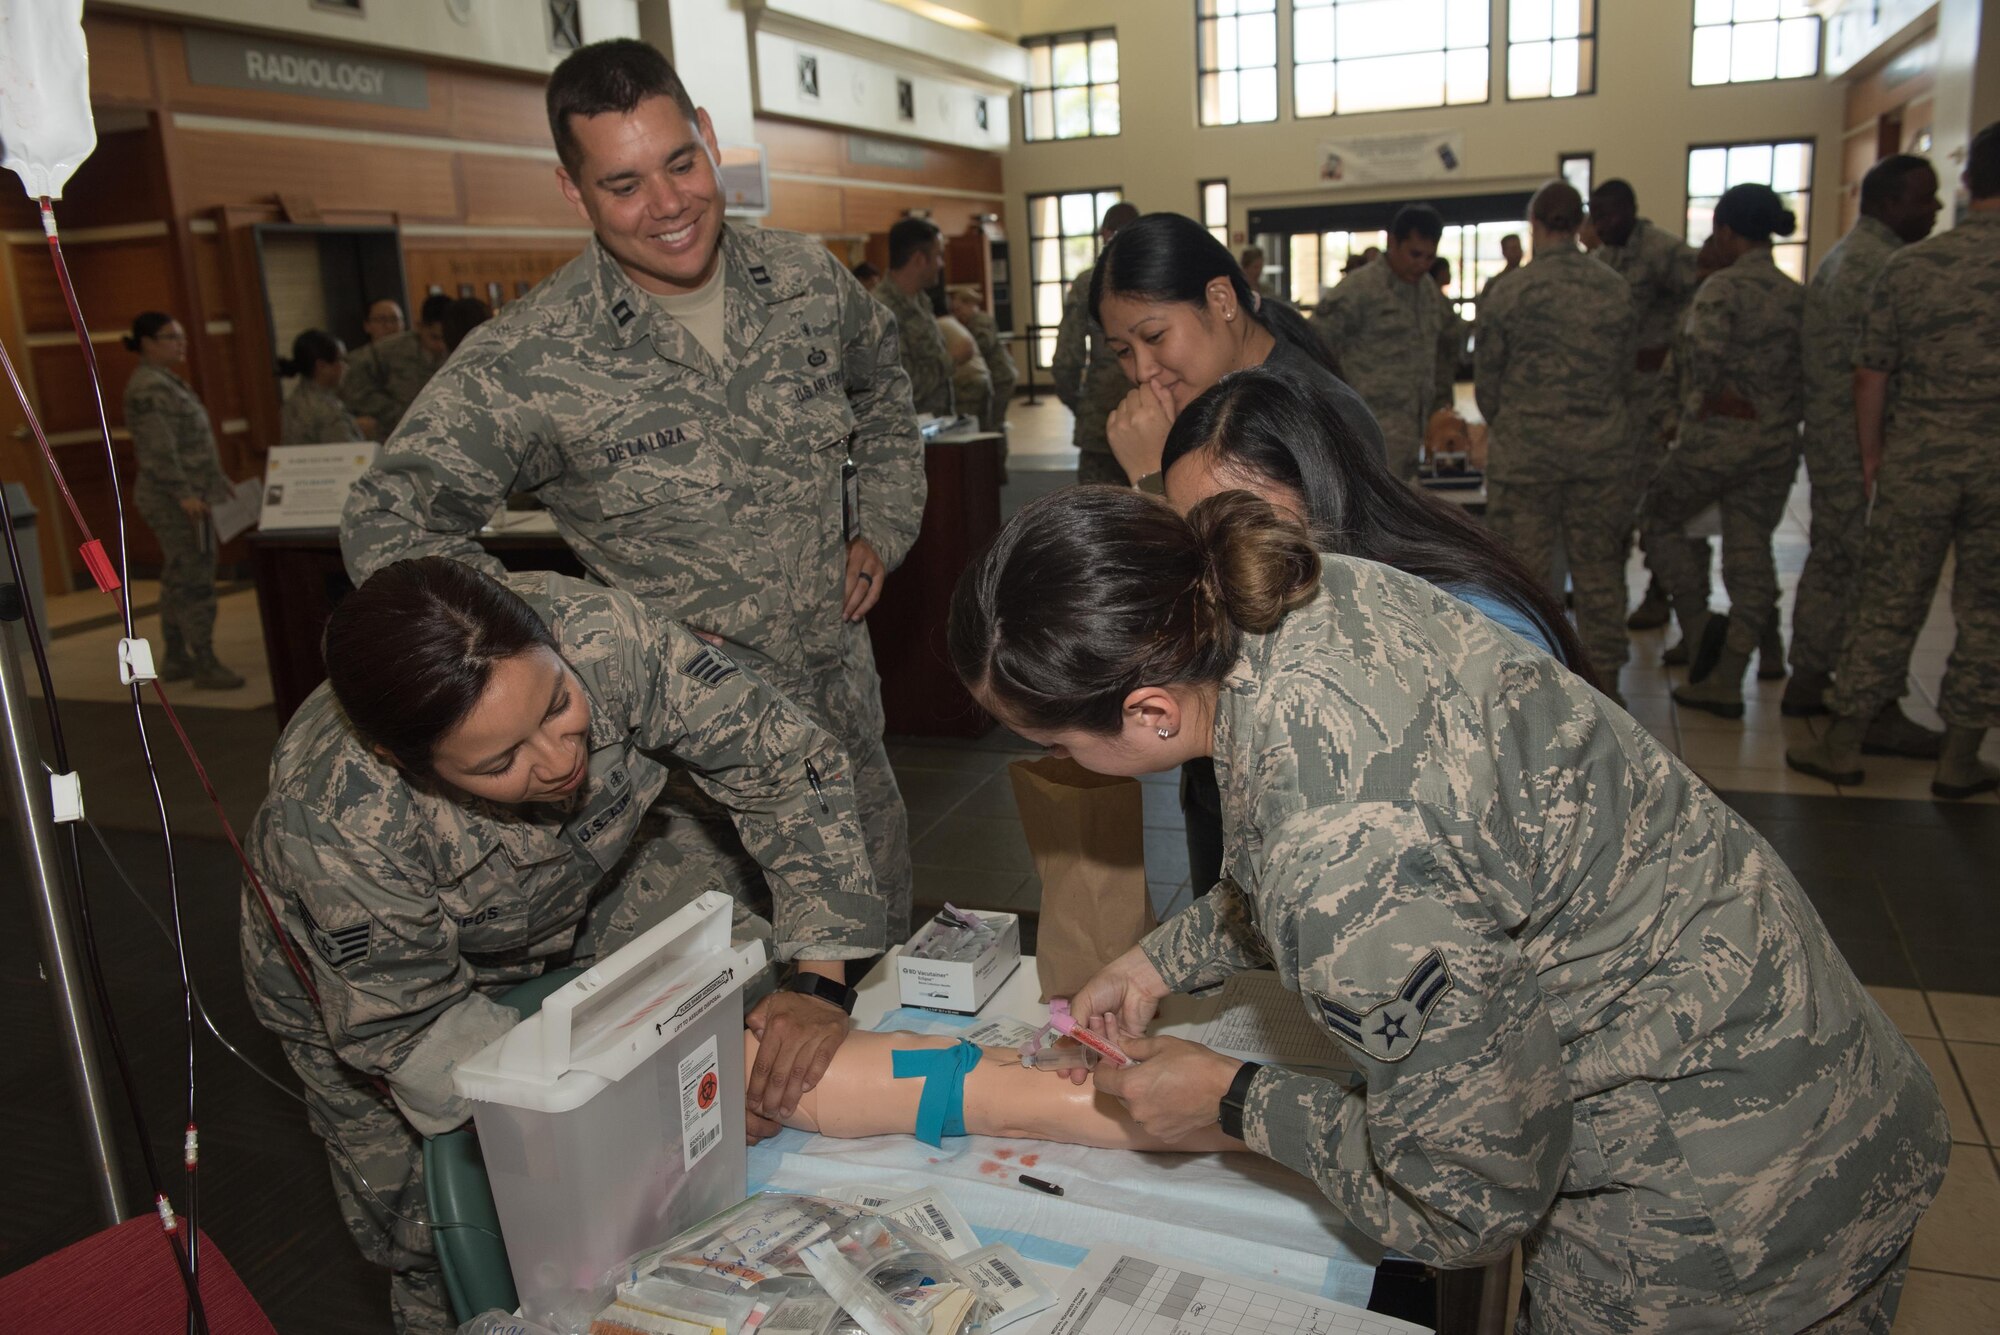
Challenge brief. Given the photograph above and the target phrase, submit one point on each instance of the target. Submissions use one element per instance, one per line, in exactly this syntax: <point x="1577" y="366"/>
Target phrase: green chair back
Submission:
<point x="465" y="1225"/>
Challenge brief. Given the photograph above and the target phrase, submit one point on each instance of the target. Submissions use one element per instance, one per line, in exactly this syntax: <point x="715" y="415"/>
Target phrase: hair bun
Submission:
<point x="131" y="343"/>
<point x="1788" y="222"/>
<point x="1259" y="565"/>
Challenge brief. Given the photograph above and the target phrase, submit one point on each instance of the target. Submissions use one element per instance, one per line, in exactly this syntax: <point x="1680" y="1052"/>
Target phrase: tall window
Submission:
<point x="1747" y="41"/>
<point x="1551" y="48"/>
<point x="1786" y="167"/>
<point x="1383" y="55"/>
<point x="1577" y="169"/>
<point x="1072" y="90"/>
<point x="1215" y="209"/>
<point x="1474" y="252"/>
<point x="1062" y="243"/>
<point x="1236" y="46"/>
<point x="1316" y="261"/>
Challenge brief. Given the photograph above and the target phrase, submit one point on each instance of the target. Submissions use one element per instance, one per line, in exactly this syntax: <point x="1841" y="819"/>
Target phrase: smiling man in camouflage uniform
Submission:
<point x="684" y="397"/>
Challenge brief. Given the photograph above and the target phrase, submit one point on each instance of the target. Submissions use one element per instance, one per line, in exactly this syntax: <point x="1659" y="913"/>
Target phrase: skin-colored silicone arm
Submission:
<point x="859" y="1096"/>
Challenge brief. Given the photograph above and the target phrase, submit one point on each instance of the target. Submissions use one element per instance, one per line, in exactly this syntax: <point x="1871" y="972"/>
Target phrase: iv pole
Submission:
<point x="27" y="786"/>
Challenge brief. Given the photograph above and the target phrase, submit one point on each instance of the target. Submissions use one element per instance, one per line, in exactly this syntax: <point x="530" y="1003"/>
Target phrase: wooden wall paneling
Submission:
<point x="449" y="266"/>
<point x="216" y="168"/>
<point x="806" y="208"/>
<point x="20" y="460"/>
<point x="249" y="342"/>
<point x="513" y="192"/>
<point x="818" y="150"/>
<point x="114" y="280"/>
<point x="121" y="60"/>
<point x="90" y="482"/>
<point x="211" y="269"/>
<point x="62" y="384"/>
<point x="498" y="108"/>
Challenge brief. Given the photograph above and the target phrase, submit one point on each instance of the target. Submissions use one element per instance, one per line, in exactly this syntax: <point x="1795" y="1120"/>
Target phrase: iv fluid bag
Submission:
<point x="45" y="127"/>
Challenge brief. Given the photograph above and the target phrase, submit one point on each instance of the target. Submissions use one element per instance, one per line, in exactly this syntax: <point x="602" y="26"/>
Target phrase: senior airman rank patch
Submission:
<point x="1388" y="1031"/>
<point x="710" y="668"/>
<point x="341" y="946"/>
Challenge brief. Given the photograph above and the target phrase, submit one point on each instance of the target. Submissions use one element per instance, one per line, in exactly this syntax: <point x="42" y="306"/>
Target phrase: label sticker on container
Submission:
<point x="701" y="1102"/>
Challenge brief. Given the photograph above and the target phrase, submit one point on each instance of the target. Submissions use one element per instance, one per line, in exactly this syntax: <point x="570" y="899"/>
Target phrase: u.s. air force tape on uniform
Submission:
<point x="1388" y="1031"/>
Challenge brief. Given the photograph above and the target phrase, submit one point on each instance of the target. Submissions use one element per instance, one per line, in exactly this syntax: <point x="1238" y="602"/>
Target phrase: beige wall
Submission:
<point x="1640" y="123"/>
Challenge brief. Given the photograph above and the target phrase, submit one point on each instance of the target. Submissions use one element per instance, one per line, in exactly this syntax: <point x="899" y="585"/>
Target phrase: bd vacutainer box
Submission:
<point x="613" y="1118"/>
<point x="962" y="986"/>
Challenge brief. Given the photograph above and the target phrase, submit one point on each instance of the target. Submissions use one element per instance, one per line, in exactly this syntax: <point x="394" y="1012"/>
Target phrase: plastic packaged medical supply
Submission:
<point x="953" y="935"/>
<point x="497" y="1322"/>
<point x="796" y="1265"/>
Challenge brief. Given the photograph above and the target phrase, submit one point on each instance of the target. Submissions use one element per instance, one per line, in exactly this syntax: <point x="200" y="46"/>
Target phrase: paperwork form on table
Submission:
<point x="1121" y="1292"/>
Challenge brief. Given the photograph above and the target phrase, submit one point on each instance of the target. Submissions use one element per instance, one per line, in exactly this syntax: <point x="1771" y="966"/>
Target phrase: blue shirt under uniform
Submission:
<point x="1507" y="614"/>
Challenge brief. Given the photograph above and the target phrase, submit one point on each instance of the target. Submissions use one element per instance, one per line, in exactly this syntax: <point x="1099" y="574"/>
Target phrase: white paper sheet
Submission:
<point x="1118" y="1291"/>
<point x="239" y="513"/>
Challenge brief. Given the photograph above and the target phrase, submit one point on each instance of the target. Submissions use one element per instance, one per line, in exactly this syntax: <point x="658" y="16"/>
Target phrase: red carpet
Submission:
<point x="123" y="1280"/>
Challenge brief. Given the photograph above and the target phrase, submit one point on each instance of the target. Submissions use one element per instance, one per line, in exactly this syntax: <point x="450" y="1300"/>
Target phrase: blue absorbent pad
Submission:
<point x="1241" y="1212"/>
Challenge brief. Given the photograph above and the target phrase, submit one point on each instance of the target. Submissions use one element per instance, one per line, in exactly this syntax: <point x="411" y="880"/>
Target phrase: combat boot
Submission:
<point x="1805" y="695"/>
<point x="1835" y="755"/>
<point x="1721" y="691"/>
<point x="178" y="664"/>
<point x="210" y="675"/>
<point x="1960" y="772"/>
<point x="1652" y="611"/>
<point x="1894" y="733"/>
<point x="1700" y="646"/>
<point x="1771" y="654"/>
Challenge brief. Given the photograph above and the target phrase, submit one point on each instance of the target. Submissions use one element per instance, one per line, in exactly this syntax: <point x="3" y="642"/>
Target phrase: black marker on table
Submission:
<point x="1039" y="1185"/>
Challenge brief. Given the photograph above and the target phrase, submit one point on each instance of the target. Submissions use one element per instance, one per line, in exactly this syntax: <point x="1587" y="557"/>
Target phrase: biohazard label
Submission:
<point x="701" y="1103"/>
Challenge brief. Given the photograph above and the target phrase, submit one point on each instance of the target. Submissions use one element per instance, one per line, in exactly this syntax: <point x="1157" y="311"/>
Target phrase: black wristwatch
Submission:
<point x="819" y="985"/>
<point x="1232" y="1102"/>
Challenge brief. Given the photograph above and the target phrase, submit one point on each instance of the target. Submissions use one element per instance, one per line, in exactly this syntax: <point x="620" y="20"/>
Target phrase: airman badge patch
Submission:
<point x="1388" y="1031"/>
<point x="341" y="946"/>
<point x="709" y="667"/>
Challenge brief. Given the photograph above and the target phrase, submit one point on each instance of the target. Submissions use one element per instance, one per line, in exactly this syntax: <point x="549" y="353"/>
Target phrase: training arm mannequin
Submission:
<point x="860" y="1096"/>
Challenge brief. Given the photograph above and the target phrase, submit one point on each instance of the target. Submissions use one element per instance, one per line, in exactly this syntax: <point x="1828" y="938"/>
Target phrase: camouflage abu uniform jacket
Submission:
<point x="921" y="343"/>
<point x="714" y="493"/>
<point x="1591" y="1008"/>
<point x="1836" y="301"/>
<point x="1087" y="376"/>
<point x="314" y="415"/>
<point x="1742" y="337"/>
<point x="384" y="378"/>
<point x="1383" y="334"/>
<point x="1659" y="267"/>
<point x="1555" y="340"/>
<point x="173" y="442"/>
<point x="409" y="905"/>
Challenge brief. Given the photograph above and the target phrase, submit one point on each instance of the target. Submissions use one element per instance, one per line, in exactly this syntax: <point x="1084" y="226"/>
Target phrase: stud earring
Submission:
<point x="1164" y="734"/>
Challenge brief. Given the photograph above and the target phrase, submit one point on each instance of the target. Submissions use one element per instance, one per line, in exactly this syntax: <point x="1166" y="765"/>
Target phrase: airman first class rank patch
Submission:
<point x="1388" y="1031"/>
<point x="343" y="945"/>
<point x="709" y="668"/>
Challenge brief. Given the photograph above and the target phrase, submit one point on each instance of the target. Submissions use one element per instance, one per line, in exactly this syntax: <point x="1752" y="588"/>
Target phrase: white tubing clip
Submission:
<point x="135" y="662"/>
<point x="65" y="798"/>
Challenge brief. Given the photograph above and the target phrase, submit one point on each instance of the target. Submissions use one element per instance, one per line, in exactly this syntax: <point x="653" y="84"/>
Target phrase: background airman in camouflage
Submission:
<point x="314" y="415"/>
<point x="1591" y="1009"/>
<point x="179" y="475"/>
<point x="1554" y="343"/>
<point x="916" y="258"/>
<point x="385" y="376"/>
<point x="1899" y="205"/>
<point x="1927" y="380"/>
<point x="1383" y="324"/>
<point x="1000" y="366"/>
<point x="1085" y="370"/>
<point x="1738" y="447"/>
<point x="412" y="906"/>
<point x="1660" y="268"/>
<point x="713" y="491"/>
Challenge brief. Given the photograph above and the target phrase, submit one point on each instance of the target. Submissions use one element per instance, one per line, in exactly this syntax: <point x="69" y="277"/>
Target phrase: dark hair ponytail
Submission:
<point x="1755" y="213"/>
<point x="144" y="326"/>
<point x="1168" y="257"/>
<point x="1093" y="592"/>
<point x="309" y="349"/>
<point x="1292" y="428"/>
<point x="411" y="651"/>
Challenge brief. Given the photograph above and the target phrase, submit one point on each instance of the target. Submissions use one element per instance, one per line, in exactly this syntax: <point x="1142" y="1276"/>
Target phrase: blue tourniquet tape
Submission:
<point x="941" y="1107"/>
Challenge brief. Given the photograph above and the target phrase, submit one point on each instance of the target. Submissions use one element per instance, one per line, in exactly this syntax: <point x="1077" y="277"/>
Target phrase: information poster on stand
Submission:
<point x="306" y="486"/>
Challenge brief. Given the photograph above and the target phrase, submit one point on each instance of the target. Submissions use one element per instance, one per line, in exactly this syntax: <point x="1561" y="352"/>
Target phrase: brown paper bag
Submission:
<point x="1087" y="834"/>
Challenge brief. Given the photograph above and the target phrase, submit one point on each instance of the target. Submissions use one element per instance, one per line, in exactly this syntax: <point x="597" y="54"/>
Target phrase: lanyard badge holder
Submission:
<point x="1064" y="1045"/>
